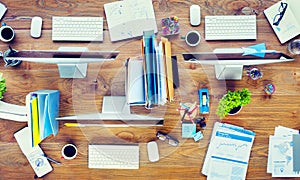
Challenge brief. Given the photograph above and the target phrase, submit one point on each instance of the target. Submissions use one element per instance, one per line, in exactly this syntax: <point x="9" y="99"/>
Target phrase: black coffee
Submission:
<point x="193" y="38"/>
<point x="7" y="33"/>
<point x="69" y="151"/>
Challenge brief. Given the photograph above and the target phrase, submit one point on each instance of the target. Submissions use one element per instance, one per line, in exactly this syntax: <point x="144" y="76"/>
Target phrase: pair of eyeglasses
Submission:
<point x="164" y="137"/>
<point x="277" y="18"/>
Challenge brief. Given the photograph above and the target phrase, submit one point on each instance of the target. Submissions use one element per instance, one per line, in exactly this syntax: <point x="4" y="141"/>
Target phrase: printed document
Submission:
<point x="228" y="153"/>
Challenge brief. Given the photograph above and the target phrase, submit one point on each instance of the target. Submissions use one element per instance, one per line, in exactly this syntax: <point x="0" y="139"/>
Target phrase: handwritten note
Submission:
<point x="129" y="18"/>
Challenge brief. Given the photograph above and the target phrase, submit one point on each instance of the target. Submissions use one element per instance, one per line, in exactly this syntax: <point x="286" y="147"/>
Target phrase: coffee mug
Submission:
<point x="193" y="38"/>
<point x="7" y="33"/>
<point x="69" y="151"/>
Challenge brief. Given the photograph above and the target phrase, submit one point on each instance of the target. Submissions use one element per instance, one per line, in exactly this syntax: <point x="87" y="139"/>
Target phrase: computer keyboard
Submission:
<point x="230" y="27"/>
<point x="113" y="156"/>
<point x="77" y="28"/>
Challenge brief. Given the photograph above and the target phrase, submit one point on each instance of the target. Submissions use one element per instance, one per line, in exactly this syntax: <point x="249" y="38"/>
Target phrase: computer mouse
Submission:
<point x="36" y="27"/>
<point x="152" y="150"/>
<point x="195" y="15"/>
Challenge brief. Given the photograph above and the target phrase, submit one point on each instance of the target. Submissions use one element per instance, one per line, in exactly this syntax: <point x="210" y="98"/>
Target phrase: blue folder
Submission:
<point x="150" y="68"/>
<point x="48" y="111"/>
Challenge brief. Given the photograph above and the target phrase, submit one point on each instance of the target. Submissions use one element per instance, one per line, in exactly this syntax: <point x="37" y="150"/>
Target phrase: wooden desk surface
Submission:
<point x="262" y="115"/>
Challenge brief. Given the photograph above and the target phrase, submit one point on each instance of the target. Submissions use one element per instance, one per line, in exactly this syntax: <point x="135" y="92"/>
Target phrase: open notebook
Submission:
<point x="289" y="26"/>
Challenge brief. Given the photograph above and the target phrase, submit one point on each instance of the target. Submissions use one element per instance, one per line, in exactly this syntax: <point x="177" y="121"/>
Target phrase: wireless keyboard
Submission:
<point x="77" y="28"/>
<point x="230" y="27"/>
<point x="113" y="156"/>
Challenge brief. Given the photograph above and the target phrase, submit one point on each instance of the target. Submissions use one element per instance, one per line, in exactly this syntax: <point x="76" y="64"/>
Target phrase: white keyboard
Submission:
<point x="77" y="28"/>
<point x="230" y="27"/>
<point x="113" y="156"/>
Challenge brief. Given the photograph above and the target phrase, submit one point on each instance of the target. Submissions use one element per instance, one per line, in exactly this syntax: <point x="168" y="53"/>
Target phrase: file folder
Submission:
<point x="42" y="109"/>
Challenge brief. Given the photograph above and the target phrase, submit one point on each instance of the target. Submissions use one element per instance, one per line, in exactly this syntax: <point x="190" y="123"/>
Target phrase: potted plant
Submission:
<point x="2" y="86"/>
<point x="233" y="100"/>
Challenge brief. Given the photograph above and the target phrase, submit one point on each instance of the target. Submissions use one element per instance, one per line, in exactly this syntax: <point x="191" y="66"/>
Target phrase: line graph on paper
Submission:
<point x="231" y="146"/>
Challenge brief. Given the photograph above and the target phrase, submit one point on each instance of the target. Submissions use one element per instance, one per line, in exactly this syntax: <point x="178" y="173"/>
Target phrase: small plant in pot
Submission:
<point x="233" y="100"/>
<point x="2" y="86"/>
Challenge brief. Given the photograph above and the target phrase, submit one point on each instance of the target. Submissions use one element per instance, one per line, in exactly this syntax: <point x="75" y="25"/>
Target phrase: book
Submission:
<point x="284" y="18"/>
<point x="42" y="109"/>
<point x="129" y="18"/>
<point x="135" y="82"/>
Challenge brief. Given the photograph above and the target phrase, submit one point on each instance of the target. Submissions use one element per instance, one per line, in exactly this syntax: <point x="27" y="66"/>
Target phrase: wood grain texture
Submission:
<point x="262" y="115"/>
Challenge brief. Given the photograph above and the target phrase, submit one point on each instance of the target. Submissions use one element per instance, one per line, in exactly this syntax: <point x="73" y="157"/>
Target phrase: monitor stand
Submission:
<point x="72" y="70"/>
<point x="229" y="72"/>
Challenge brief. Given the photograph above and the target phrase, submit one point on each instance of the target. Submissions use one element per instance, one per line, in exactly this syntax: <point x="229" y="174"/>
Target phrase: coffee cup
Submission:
<point x="7" y="33"/>
<point x="192" y="38"/>
<point x="69" y="151"/>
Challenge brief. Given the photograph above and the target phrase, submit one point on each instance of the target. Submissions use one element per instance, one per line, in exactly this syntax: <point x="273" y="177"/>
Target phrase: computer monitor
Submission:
<point x="115" y="113"/>
<point x="229" y="65"/>
<point x="72" y="62"/>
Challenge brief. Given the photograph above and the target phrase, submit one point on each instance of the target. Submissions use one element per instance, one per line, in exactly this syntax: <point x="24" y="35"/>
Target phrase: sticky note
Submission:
<point x="188" y="130"/>
<point x="198" y="136"/>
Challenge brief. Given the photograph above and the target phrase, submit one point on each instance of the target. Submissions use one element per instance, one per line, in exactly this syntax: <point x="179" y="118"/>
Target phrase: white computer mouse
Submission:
<point x="36" y="27"/>
<point x="195" y="15"/>
<point x="152" y="149"/>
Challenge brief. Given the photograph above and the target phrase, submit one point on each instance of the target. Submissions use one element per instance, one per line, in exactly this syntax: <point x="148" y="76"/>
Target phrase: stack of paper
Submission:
<point x="228" y="152"/>
<point x="150" y="80"/>
<point x="34" y="155"/>
<point x="283" y="158"/>
<point x="42" y="109"/>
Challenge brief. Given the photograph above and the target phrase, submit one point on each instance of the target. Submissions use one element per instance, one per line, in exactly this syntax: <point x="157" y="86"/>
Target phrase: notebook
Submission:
<point x="289" y="26"/>
<point x="129" y="18"/>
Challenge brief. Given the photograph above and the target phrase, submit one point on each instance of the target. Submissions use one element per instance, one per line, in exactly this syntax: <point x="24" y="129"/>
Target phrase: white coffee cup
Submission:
<point x="192" y="38"/>
<point x="7" y="33"/>
<point x="69" y="151"/>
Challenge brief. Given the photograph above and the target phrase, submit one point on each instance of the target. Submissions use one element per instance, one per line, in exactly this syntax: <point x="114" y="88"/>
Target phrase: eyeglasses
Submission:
<point x="163" y="137"/>
<point x="277" y="18"/>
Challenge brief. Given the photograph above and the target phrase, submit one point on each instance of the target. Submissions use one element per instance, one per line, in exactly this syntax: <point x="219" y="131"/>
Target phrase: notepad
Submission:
<point x="289" y="26"/>
<point x="129" y="18"/>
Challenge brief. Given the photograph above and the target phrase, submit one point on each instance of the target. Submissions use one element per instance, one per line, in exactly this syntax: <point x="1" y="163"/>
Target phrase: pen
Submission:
<point x="94" y="125"/>
<point x="184" y="106"/>
<point x="185" y="111"/>
<point x="52" y="160"/>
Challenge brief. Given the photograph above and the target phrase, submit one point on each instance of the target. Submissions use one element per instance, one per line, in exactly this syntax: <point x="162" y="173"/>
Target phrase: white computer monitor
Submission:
<point x="115" y="113"/>
<point x="229" y="65"/>
<point x="72" y="62"/>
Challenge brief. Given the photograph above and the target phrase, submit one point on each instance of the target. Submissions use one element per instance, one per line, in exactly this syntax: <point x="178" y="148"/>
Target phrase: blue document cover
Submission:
<point x="150" y="77"/>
